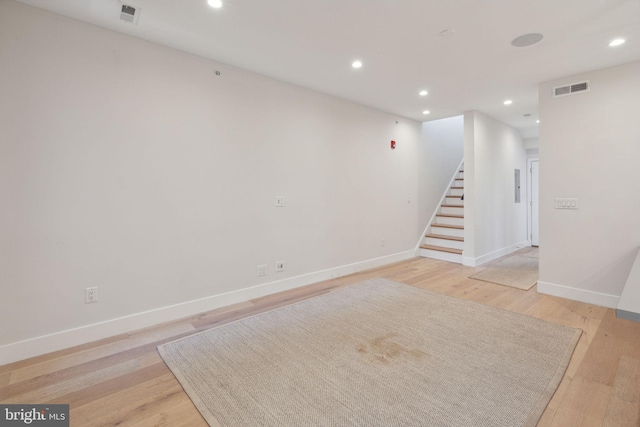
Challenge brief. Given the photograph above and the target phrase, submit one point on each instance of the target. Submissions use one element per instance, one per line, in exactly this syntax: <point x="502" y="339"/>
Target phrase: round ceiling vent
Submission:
<point x="527" y="40"/>
<point x="447" y="34"/>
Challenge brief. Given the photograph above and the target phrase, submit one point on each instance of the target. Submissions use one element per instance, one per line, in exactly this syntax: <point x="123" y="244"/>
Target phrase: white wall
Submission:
<point x="133" y="167"/>
<point x="531" y="143"/>
<point x="494" y="224"/>
<point x="589" y="149"/>
<point x="441" y="151"/>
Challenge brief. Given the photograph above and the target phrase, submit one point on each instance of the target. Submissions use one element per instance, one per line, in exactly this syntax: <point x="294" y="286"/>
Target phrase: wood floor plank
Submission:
<point x="122" y="380"/>
<point x="524" y="301"/>
<point x="601" y="359"/>
<point x="556" y="402"/>
<point x="583" y="405"/>
<point x="630" y="332"/>
<point x="179" y="411"/>
<point x="623" y="409"/>
<point x="51" y="391"/>
<point x="138" y="402"/>
<point x="5" y="379"/>
<point x="133" y="340"/>
<point x="12" y="367"/>
<point x="60" y="377"/>
<point x="96" y="391"/>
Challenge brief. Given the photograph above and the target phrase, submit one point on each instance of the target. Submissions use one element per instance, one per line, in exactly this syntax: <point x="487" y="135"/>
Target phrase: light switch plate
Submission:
<point x="564" y="203"/>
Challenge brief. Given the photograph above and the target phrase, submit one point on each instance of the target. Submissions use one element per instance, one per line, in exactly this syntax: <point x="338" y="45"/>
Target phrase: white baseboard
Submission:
<point x="582" y="295"/>
<point x="37" y="346"/>
<point x="474" y="262"/>
<point x="442" y="256"/>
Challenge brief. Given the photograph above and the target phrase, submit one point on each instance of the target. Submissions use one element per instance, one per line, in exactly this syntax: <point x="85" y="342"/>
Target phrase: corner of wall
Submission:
<point x="475" y="262"/>
<point x="576" y="294"/>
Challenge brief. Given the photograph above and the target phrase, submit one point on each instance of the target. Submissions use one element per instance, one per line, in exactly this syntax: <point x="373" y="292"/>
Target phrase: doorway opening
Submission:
<point x="533" y="201"/>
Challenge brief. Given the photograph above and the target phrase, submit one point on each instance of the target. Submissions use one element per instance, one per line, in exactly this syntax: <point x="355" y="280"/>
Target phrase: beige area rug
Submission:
<point x="377" y="354"/>
<point x="517" y="271"/>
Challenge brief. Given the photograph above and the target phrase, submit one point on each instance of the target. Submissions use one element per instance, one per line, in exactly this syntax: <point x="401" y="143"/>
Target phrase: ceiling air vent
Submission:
<point x="571" y="89"/>
<point x="130" y="14"/>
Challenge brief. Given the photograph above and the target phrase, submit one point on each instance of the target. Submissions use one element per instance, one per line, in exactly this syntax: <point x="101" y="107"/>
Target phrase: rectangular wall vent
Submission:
<point x="571" y="89"/>
<point x="130" y="14"/>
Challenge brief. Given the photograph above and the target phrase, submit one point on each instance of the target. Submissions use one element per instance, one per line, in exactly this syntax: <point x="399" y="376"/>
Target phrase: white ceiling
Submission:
<point x="313" y="42"/>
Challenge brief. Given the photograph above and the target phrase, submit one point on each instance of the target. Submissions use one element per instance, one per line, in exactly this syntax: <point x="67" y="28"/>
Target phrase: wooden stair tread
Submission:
<point x="452" y="206"/>
<point x="450" y="215"/>
<point x="443" y="237"/>
<point x="457" y="188"/>
<point x="441" y="249"/>
<point x="457" y="227"/>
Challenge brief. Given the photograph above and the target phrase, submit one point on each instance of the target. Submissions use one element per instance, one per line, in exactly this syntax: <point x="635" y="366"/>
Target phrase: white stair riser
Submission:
<point x="444" y="231"/>
<point x="460" y="175"/>
<point x="454" y="200"/>
<point x="456" y="192"/>
<point x="449" y="221"/>
<point x="458" y="182"/>
<point x="452" y="211"/>
<point x="453" y="244"/>
<point x="443" y="256"/>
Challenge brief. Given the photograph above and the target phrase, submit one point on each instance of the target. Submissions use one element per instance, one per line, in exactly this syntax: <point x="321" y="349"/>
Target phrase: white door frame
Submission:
<point x="529" y="198"/>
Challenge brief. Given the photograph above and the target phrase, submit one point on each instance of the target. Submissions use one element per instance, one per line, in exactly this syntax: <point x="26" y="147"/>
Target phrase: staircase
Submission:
<point x="445" y="235"/>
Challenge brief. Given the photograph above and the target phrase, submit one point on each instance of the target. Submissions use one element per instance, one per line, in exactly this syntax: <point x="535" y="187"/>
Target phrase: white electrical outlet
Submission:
<point x="279" y="266"/>
<point x="91" y="295"/>
<point x="280" y="201"/>
<point x="262" y="270"/>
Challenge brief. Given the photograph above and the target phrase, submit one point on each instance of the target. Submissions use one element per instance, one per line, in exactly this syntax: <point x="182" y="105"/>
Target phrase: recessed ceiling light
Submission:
<point x="508" y="102"/>
<point x="537" y="121"/>
<point x="423" y="93"/>
<point x="356" y="64"/>
<point x="526" y="40"/>
<point x="425" y="112"/>
<point x="215" y="3"/>
<point x="616" y="42"/>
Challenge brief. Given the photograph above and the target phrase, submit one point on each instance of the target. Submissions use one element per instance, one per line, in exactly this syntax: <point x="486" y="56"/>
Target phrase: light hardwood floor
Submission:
<point x="122" y="381"/>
